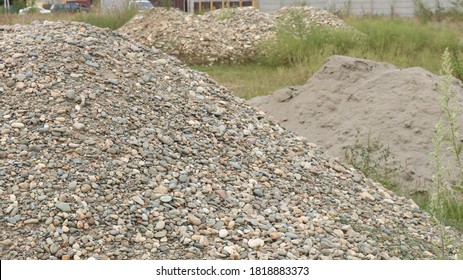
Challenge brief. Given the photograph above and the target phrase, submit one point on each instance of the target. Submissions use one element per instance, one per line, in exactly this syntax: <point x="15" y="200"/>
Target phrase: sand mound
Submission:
<point x="349" y="98"/>
<point x="109" y="149"/>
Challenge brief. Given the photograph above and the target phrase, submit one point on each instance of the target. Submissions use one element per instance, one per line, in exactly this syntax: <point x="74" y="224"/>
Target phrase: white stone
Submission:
<point x="254" y="243"/>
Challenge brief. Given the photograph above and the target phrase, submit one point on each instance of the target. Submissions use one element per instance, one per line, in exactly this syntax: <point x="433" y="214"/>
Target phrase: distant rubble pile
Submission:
<point x="219" y="36"/>
<point x="311" y="16"/>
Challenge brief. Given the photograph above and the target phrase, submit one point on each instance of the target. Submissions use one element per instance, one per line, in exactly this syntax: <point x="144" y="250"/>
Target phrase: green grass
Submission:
<point x="112" y="19"/>
<point x="402" y="42"/>
<point x="252" y="80"/>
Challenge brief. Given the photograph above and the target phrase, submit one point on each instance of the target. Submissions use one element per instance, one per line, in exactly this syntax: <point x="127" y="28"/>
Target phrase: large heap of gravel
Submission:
<point x="109" y="149"/>
<point x="350" y="100"/>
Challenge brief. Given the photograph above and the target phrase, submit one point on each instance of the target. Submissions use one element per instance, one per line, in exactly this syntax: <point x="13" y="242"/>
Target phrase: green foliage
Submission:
<point x="227" y="13"/>
<point x="33" y="10"/>
<point x="446" y="201"/>
<point x="425" y="14"/>
<point x="18" y="5"/>
<point x="403" y="42"/>
<point x="373" y="159"/>
<point x="422" y="11"/>
<point x="297" y="41"/>
<point x="457" y="62"/>
<point x="166" y="4"/>
<point x="113" y="19"/>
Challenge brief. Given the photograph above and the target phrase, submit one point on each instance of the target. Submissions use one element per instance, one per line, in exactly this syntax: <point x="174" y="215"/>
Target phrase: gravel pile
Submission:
<point x="111" y="150"/>
<point x="219" y="36"/>
<point x="310" y="16"/>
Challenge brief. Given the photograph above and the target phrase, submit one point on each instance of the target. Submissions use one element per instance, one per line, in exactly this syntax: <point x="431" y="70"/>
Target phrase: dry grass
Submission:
<point x="10" y="19"/>
<point x="252" y="80"/>
<point x="113" y="19"/>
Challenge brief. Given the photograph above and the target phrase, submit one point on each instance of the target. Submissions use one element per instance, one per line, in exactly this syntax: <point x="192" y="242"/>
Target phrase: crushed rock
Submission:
<point x="220" y="36"/>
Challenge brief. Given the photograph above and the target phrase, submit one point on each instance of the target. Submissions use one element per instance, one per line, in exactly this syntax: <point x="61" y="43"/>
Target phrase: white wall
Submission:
<point x="358" y="7"/>
<point x="112" y="4"/>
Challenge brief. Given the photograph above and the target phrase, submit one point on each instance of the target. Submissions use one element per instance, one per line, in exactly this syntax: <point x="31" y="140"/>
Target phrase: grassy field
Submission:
<point x="291" y="61"/>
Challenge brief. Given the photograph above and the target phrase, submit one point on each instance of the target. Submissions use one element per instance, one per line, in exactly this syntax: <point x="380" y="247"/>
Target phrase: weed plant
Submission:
<point x="446" y="197"/>
<point x="403" y="42"/>
<point x="427" y="14"/>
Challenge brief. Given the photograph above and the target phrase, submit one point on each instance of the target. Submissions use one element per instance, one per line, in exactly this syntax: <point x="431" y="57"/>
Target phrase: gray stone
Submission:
<point x="160" y="225"/>
<point x="235" y="165"/>
<point x="70" y="94"/>
<point x="138" y="200"/>
<point x="258" y="192"/>
<point x="166" y="198"/>
<point x="78" y="126"/>
<point x="62" y="206"/>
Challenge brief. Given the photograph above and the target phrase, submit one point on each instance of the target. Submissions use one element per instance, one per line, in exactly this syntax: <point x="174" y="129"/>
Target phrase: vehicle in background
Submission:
<point x="84" y="4"/>
<point x="141" y="4"/>
<point x="65" y="8"/>
<point x="33" y="10"/>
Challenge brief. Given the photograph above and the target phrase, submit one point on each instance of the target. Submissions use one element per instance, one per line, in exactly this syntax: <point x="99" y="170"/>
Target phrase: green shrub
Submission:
<point x="297" y="41"/>
<point x="422" y="11"/>
<point x="425" y="14"/>
<point x="18" y="5"/>
<point x="112" y="19"/>
<point x="446" y="202"/>
<point x="403" y="42"/>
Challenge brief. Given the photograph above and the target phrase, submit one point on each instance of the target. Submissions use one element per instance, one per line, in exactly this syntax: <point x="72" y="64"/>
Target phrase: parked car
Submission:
<point x="33" y="9"/>
<point x="65" y="8"/>
<point x="141" y="4"/>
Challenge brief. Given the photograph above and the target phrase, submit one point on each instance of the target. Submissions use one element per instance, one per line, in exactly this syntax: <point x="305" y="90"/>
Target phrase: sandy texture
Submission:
<point x="349" y="97"/>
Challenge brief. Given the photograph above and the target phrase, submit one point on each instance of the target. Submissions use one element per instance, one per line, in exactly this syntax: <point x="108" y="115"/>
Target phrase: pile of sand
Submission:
<point x="348" y="98"/>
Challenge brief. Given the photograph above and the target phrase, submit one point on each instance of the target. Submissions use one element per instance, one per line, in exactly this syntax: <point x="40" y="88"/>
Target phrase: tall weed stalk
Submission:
<point x="446" y="202"/>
